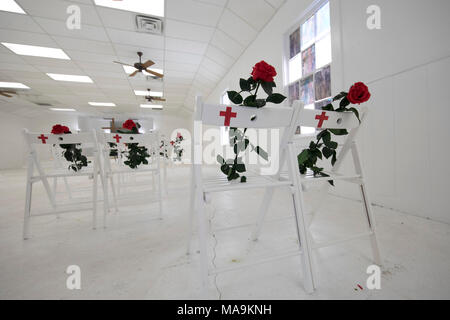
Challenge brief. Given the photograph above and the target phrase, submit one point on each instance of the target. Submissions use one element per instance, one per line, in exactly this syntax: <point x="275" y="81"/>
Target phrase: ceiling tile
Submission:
<point x="193" y="11"/>
<point x="256" y="13"/>
<point x="189" y="31"/>
<point x="237" y="28"/>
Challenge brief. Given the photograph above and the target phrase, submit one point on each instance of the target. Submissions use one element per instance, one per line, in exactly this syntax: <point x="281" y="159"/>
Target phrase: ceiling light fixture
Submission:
<point x="11" y="6"/>
<point x="13" y="85"/>
<point x="36" y="51"/>
<point x="146" y="93"/>
<point x="130" y="70"/>
<point x="63" y="109"/>
<point x="154" y="7"/>
<point x="70" y="78"/>
<point x="152" y="106"/>
<point x="102" y="104"/>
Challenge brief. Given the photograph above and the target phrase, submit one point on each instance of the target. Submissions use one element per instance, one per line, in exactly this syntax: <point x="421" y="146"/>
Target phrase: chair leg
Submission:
<point x="105" y="201"/>
<point x="268" y="195"/>
<point x="160" y="195"/>
<point x="202" y="230"/>
<point x="27" y="214"/>
<point x="94" y="197"/>
<point x="114" y="195"/>
<point x="304" y="243"/>
<point x="371" y="224"/>
<point x="192" y="208"/>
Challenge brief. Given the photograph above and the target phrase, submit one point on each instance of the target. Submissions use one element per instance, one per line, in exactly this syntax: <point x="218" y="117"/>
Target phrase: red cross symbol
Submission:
<point x="321" y="119"/>
<point x="117" y="137"/>
<point x="228" y="115"/>
<point x="43" y="138"/>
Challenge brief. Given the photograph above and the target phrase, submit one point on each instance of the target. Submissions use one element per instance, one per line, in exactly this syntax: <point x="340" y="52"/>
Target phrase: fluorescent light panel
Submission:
<point x="151" y="106"/>
<point x="62" y="109"/>
<point x="36" y="51"/>
<point x="13" y="85"/>
<point x="130" y="69"/>
<point x="102" y="104"/>
<point x="146" y="93"/>
<point x="69" y="78"/>
<point x="11" y="6"/>
<point x="153" y="7"/>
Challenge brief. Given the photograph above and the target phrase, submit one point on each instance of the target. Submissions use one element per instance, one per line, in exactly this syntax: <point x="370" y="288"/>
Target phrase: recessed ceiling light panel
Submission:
<point x="11" y="6"/>
<point x="146" y="93"/>
<point x="102" y="104"/>
<point x="62" y="109"/>
<point x="36" y="51"/>
<point x="152" y="106"/>
<point x="70" y="78"/>
<point x="153" y="7"/>
<point x="13" y="85"/>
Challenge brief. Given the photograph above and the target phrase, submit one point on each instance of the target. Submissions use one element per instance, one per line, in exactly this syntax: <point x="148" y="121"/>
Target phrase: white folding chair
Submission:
<point x="150" y="141"/>
<point x="332" y="120"/>
<point x="59" y="164"/>
<point x="164" y="152"/>
<point x="244" y="117"/>
<point x="87" y="139"/>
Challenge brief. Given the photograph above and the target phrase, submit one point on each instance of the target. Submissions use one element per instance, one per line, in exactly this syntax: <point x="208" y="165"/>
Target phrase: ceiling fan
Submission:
<point x="7" y="93"/>
<point x="150" y="98"/>
<point x="139" y="66"/>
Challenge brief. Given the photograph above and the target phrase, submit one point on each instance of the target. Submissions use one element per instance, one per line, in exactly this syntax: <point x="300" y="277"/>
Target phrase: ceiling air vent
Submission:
<point x="149" y="24"/>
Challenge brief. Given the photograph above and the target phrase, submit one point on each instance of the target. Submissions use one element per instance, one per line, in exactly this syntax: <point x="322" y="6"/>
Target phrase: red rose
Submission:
<point x="263" y="71"/>
<point x="358" y="93"/>
<point x="59" y="129"/>
<point x="129" y="124"/>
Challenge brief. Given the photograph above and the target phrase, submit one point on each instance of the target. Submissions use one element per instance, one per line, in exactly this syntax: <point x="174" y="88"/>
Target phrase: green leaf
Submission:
<point x="262" y="153"/>
<point x="303" y="156"/>
<point x="326" y="136"/>
<point x="225" y="169"/>
<point x="328" y="107"/>
<point x="244" y="84"/>
<point x="317" y="153"/>
<point x="340" y="96"/>
<point x="234" y="97"/>
<point x="240" y="167"/>
<point x="338" y="132"/>
<point x="331" y="144"/>
<point x="220" y="159"/>
<point x="333" y="159"/>
<point x="327" y="152"/>
<point x="250" y="101"/>
<point x="243" y="179"/>
<point x="344" y="102"/>
<point x="276" y="98"/>
<point x="331" y="182"/>
<point x="260" y="103"/>
<point x="268" y="87"/>
<point x="355" y="111"/>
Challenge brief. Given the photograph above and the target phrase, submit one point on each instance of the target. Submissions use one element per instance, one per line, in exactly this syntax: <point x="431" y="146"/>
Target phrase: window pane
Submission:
<point x="294" y="43"/>
<point x="323" y="51"/>
<point x="294" y="92"/>
<point x="322" y="83"/>
<point x="295" y="68"/>
<point x="323" y="20"/>
<point x="307" y="90"/>
<point x="308" y="60"/>
<point x="308" y="32"/>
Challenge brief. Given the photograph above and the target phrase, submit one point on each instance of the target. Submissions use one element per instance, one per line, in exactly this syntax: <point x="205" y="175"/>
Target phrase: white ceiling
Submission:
<point x="203" y="39"/>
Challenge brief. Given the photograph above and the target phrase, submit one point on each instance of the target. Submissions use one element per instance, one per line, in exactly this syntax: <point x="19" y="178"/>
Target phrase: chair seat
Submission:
<point x="254" y="180"/>
<point x="309" y="177"/>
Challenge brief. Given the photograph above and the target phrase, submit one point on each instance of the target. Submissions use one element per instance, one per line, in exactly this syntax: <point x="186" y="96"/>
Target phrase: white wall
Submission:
<point x="12" y="144"/>
<point x="406" y="64"/>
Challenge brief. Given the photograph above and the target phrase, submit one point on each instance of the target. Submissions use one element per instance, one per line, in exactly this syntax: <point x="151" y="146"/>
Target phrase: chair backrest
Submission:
<point x="270" y="116"/>
<point x="58" y="139"/>
<point x="321" y="119"/>
<point x="122" y="138"/>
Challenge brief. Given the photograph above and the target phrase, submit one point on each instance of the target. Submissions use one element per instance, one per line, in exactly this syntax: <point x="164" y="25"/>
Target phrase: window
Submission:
<point x="309" y="60"/>
<point x="224" y="131"/>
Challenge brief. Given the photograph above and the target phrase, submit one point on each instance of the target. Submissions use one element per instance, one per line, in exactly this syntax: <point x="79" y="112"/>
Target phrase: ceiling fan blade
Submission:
<point x="148" y="63"/>
<point x="125" y="64"/>
<point x="6" y="94"/>
<point x="159" y="99"/>
<point x="134" y="73"/>
<point x="159" y="75"/>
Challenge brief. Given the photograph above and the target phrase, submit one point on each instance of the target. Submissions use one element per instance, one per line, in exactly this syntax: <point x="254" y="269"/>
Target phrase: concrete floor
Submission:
<point x="140" y="257"/>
